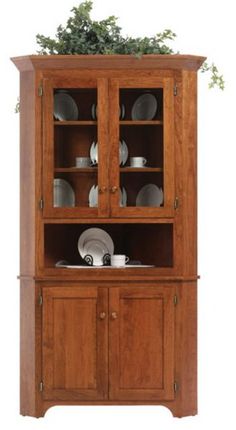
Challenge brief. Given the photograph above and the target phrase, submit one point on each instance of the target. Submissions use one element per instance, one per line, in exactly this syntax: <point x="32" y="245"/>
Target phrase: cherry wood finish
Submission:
<point x="141" y="339"/>
<point x="156" y="307"/>
<point x="75" y="343"/>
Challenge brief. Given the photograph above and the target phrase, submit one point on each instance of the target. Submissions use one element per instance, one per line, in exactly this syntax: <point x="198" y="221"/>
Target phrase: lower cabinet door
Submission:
<point x="141" y="343"/>
<point x="75" y="343"/>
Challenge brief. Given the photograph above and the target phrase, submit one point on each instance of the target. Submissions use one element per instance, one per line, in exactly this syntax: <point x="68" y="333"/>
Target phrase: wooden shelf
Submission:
<point x="76" y="170"/>
<point x="131" y="122"/>
<point x="141" y="169"/>
<point x="64" y="123"/>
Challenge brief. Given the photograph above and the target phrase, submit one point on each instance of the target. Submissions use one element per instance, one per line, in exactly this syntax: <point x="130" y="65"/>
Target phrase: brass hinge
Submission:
<point x="41" y="386"/>
<point x="40" y="90"/>
<point x="176" y="386"/>
<point x="40" y="300"/>
<point x="41" y="204"/>
<point x="175" y="300"/>
<point x="175" y="90"/>
<point x="176" y="202"/>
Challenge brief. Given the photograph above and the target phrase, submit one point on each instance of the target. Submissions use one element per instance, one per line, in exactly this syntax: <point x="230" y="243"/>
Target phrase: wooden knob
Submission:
<point x="114" y="316"/>
<point x="102" y="315"/>
<point x="102" y="190"/>
<point x="113" y="190"/>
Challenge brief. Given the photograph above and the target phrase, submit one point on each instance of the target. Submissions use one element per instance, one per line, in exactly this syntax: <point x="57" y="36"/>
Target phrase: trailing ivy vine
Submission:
<point x="82" y="35"/>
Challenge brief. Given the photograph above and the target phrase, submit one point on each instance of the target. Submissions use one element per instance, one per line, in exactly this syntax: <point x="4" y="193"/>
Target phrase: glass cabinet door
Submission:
<point x="142" y="147"/>
<point x="75" y="131"/>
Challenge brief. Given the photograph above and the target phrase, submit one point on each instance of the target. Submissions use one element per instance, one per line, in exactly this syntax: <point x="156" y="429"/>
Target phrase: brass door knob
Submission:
<point x="114" y="315"/>
<point x="113" y="189"/>
<point x="102" y="190"/>
<point x="102" y="315"/>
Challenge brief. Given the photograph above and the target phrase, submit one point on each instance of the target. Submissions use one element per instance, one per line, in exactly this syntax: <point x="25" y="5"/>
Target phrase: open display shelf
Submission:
<point x="108" y="142"/>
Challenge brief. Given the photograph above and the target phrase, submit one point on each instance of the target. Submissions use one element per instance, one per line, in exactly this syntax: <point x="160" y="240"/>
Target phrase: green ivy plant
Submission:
<point x="82" y="35"/>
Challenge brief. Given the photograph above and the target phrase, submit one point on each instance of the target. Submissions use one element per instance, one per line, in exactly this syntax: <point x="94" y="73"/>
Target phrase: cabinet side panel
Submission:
<point x="186" y="350"/>
<point x="189" y="114"/>
<point x="30" y="349"/>
<point x="27" y="174"/>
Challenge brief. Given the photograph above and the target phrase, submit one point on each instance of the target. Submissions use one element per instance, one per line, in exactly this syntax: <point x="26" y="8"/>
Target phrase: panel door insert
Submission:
<point x="75" y="343"/>
<point x="141" y="341"/>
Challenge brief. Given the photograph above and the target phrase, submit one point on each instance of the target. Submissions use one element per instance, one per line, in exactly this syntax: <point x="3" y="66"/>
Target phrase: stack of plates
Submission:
<point x="123" y="153"/>
<point x="97" y="243"/>
<point x="94" y="112"/>
<point x="65" y="108"/>
<point x="93" y="197"/>
<point x="144" y="108"/>
<point x="150" y="195"/>
<point x="63" y="194"/>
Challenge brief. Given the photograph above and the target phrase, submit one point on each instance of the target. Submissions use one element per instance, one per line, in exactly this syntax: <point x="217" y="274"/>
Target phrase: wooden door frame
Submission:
<point x="168" y="128"/>
<point x="48" y="146"/>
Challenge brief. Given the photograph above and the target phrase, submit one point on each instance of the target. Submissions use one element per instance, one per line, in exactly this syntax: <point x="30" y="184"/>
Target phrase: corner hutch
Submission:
<point x="105" y="335"/>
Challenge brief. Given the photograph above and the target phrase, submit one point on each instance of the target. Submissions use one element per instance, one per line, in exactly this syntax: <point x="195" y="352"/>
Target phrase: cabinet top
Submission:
<point x="174" y="62"/>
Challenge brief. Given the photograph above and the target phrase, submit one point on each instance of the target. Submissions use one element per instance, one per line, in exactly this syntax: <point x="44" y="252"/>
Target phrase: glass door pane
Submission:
<point x="142" y="143"/>
<point x="73" y="135"/>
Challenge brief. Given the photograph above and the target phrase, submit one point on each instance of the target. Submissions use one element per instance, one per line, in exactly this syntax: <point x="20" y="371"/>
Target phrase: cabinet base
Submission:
<point x="177" y="410"/>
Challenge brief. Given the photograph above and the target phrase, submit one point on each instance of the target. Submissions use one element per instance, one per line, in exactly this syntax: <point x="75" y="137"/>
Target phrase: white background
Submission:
<point x="203" y="28"/>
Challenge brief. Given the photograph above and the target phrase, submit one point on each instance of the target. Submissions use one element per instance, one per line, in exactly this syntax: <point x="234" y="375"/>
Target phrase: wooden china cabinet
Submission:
<point x="105" y="335"/>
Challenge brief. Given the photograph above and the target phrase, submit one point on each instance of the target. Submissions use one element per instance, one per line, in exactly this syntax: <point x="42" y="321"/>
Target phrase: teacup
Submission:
<point x="119" y="260"/>
<point x="137" y="161"/>
<point x="83" y="162"/>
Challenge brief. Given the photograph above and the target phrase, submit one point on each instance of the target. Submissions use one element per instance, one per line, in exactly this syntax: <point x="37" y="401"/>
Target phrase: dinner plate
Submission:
<point x="124" y="152"/>
<point x="96" y="234"/>
<point x="150" y="195"/>
<point x="94" y="153"/>
<point x="144" y="108"/>
<point x="65" y="108"/>
<point x="97" y="249"/>
<point x="124" y="197"/>
<point x="63" y="193"/>
<point x="93" y="196"/>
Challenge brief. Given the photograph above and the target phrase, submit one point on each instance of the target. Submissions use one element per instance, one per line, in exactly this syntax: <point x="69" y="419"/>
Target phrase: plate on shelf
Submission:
<point x="93" y="196"/>
<point x="65" y="108"/>
<point x="94" y="153"/>
<point x="94" y="111"/>
<point x="124" y="153"/>
<point x="150" y="195"/>
<point x="103" y="244"/>
<point x="123" y="197"/>
<point x="144" y="108"/>
<point x="97" y="249"/>
<point x="63" y="194"/>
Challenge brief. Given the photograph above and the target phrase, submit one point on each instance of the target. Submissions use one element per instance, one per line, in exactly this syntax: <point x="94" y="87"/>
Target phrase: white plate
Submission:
<point x="93" y="196"/>
<point x="94" y="153"/>
<point x="150" y="195"/>
<point x="95" y="234"/>
<point x="125" y="152"/>
<point x="65" y="108"/>
<point x="97" y="248"/>
<point x="144" y="108"/>
<point x="124" y="197"/>
<point x="63" y="194"/>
